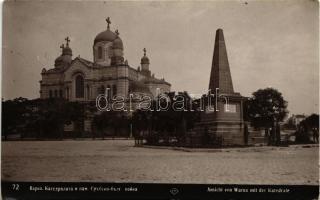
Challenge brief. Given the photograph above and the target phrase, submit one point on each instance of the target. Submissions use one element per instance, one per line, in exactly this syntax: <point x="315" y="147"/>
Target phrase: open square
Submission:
<point x="120" y="161"/>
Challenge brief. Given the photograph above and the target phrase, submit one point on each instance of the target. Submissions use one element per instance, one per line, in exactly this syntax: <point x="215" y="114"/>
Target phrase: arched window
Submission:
<point x="55" y="93"/>
<point x="99" y="52"/>
<point x="114" y="90"/>
<point x="108" y="92"/>
<point x="88" y="92"/>
<point x="60" y="93"/>
<point x="50" y="94"/>
<point x="67" y="95"/>
<point x="101" y="90"/>
<point x="79" y="87"/>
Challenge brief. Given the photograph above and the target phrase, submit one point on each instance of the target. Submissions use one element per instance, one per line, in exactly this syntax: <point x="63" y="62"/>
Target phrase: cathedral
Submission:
<point x="78" y="79"/>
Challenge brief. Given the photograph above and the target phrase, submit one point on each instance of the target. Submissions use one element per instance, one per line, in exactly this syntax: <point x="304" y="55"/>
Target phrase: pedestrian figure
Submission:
<point x="246" y="134"/>
<point x="315" y="135"/>
<point x="278" y="134"/>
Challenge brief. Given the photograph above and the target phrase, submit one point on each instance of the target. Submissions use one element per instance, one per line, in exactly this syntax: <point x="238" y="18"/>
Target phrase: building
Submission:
<point x="78" y="79"/>
<point x="294" y="120"/>
<point x="298" y="118"/>
<point x="109" y="74"/>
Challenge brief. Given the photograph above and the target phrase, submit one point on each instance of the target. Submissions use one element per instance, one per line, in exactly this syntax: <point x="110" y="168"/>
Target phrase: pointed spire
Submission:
<point x="219" y="35"/>
<point x="220" y="71"/>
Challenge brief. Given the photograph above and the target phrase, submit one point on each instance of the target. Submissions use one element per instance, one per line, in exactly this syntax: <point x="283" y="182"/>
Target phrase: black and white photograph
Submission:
<point x="165" y="95"/>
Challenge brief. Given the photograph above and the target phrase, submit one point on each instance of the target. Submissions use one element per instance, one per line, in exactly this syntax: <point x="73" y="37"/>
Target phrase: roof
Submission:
<point x="145" y="60"/>
<point x="106" y="35"/>
<point x="147" y="80"/>
<point x="85" y="62"/>
<point x="117" y="44"/>
<point x="155" y="81"/>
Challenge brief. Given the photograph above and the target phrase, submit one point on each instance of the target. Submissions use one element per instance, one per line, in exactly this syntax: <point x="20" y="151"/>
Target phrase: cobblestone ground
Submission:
<point x="119" y="161"/>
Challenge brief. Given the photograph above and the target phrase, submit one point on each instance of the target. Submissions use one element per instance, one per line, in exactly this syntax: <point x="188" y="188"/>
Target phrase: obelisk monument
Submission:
<point x="226" y="120"/>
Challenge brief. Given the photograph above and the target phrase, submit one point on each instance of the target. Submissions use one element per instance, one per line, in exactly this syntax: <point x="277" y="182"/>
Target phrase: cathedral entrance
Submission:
<point x="79" y="86"/>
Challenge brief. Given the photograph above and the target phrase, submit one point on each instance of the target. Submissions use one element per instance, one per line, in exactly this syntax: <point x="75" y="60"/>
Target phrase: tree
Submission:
<point x="53" y="114"/>
<point x="265" y="109"/>
<point x="101" y="121"/>
<point x="110" y="119"/>
<point x="141" y="120"/>
<point x="175" y="121"/>
<point x="13" y="115"/>
<point x="311" y="123"/>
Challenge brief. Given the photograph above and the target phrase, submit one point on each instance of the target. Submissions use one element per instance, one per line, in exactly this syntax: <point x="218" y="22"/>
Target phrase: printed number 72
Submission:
<point x="15" y="186"/>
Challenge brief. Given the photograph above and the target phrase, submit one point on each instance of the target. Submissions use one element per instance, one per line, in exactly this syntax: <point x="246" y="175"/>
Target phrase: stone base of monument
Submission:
<point x="193" y="140"/>
<point x="223" y="134"/>
<point x="256" y="138"/>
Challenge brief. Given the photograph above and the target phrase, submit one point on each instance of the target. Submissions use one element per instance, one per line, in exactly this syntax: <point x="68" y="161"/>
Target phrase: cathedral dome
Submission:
<point x="67" y="51"/>
<point x="117" y="43"/>
<point x="62" y="61"/>
<point x="66" y="57"/>
<point x="105" y="36"/>
<point x="145" y="60"/>
<point x="58" y="61"/>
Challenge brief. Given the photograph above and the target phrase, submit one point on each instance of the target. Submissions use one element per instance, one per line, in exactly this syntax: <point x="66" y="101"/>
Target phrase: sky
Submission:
<point x="269" y="43"/>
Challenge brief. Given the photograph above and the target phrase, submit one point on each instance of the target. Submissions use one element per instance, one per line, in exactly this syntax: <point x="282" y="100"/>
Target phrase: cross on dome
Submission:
<point x="67" y="40"/>
<point x="117" y="32"/>
<point x="145" y="51"/>
<point x="108" y="22"/>
<point x="62" y="46"/>
<point x="145" y="59"/>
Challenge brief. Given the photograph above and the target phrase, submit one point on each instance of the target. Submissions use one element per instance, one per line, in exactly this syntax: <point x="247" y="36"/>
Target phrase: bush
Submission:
<point x="302" y="138"/>
<point x="152" y="139"/>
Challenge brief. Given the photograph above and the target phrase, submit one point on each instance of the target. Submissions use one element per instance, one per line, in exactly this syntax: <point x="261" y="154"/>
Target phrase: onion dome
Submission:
<point x="66" y="57"/>
<point x="117" y="43"/>
<point x="62" y="60"/>
<point x="145" y="59"/>
<point x="107" y="35"/>
<point x="67" y="51"/>
<point x="58" y="61"/>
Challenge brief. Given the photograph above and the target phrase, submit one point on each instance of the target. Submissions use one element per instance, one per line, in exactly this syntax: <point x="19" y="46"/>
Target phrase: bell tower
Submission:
<point x="145" y="64"/>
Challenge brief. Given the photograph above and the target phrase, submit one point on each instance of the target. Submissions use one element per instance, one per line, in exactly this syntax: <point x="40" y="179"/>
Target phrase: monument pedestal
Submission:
<point x="224" y="124"/>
